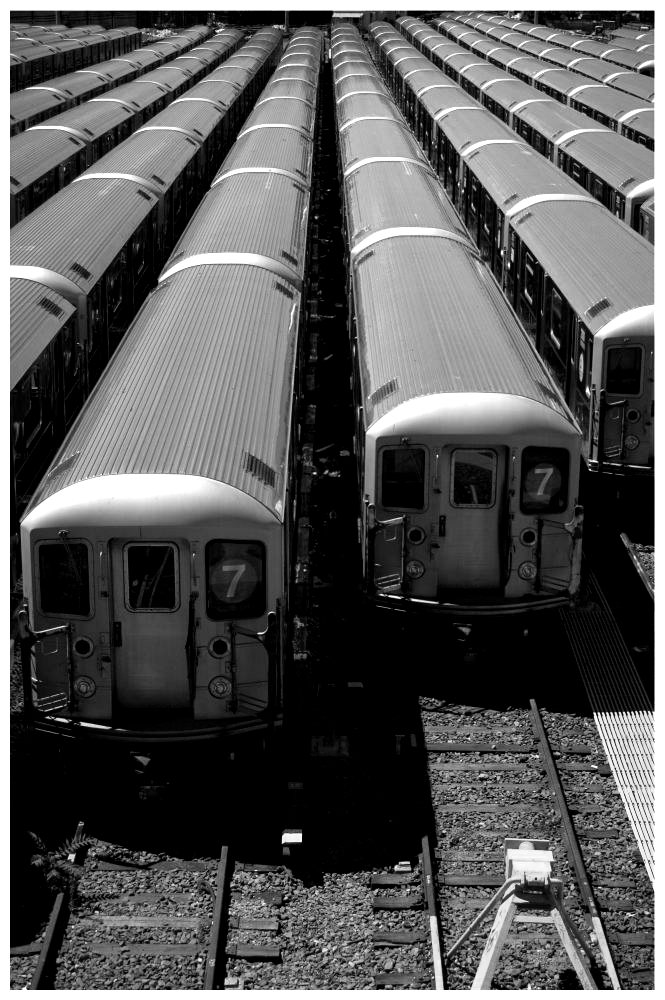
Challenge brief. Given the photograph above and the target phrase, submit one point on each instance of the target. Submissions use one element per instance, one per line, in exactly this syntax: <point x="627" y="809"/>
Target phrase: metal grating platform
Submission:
<point x="622" y="712"/>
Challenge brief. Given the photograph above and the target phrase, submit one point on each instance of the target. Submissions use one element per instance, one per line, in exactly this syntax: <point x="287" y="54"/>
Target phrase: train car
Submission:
<point x="158" y="548"/>
<point x="648" y="220"/>
<point x="616" y="171"/>
<point x="623" y="113"/>
<point x="468" y="457"/>
<point x="99" y="243"/>
<point x="46" y="157"/>
<point x="580" y="279"/>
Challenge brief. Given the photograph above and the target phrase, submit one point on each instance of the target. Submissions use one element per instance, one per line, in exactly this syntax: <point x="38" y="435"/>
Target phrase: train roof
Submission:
<point x="618" y="272"/>
<point x="23" y="104"/>
<point x="168" y="77"/>
<point x="69" y="234"/>
<point x="91" y="119"/>
<point x="155" y="156"/>
<point x="140" y="57"/>
<point x="643" y="121"/>
<point x="625" y="165"/>
<point x="417" y="335"/>
<point x="34" y="152"/>
<point x="36" y="315"/>
<point x="195" y="392"/>
<point x="138" y="94"/>
<point x="289" y="150"/>
<point x="227" y="226"/>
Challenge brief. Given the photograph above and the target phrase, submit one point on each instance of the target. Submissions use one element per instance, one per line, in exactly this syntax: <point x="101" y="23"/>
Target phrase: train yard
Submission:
<point x="352" y="792"/>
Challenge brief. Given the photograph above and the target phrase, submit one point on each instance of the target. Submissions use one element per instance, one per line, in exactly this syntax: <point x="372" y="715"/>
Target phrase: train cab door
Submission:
<point x="149" y="626"/>
<point x="623" y="420"/>
<point x="471" y="483"/>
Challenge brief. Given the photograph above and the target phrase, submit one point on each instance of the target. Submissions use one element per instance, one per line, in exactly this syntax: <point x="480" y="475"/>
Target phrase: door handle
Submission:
<point x="117" y="633"/>
<point x="442" y="525"/>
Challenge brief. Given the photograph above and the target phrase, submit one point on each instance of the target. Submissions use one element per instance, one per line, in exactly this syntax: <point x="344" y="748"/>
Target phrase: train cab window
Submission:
<point x="473" y="477"/>
<point x="235" y="579"/>
<point x="544" y="480"/>
<point x="403" y="478"/>
<point x="64" y="578"/>
<point x="624" y="371"/>
<point x="151" y="577"/>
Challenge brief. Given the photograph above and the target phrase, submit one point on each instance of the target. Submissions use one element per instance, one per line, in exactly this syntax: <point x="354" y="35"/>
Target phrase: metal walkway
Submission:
<point x="621" y="709"/>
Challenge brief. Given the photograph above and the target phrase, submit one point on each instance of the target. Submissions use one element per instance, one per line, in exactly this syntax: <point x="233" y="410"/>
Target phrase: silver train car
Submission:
<point x="468" y="457"/>
<point x="581" y="281"/>
<point x="158" y="547"/>
<point x="100" y="243"/>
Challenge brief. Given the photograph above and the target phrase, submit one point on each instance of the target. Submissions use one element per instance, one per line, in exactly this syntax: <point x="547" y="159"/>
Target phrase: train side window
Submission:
<point x="70" y="353"/>
<point x="138" y="250"/>
<point x="557" y="330"/>
<point x="473" y="477"/>
<point x="151" y="577"/>
<point x="529" y="282"/>
<point x="64" y="578"/>
<point x="624" y="371"/>
<point x="115" y="283"/>
<point x="403" y="478"/>
<point x="584" y="361"/>
<point x="235" y="579"/>
<point x="544" y="480"/>
<point x="28" y="415"/>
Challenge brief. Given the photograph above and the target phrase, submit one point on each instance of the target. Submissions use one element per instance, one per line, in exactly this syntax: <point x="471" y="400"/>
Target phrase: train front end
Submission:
<point x="471" y="506"/>
<point x="154" y="610"/>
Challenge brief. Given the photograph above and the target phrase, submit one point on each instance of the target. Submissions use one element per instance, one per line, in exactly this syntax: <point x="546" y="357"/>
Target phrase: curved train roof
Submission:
<point x="415" y="272"/>
<point x="207" y="391"/>
<point x="195" y="409"/>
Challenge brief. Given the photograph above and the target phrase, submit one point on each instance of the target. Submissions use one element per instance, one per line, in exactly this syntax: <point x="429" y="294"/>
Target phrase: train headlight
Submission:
<point x="84" y="687"/>
<point x="527" y="571"/>
<point x="414" y="569"/>
<point x="528" y="536"/>
<point x="631" y="441"/>
<point x="220" y="687"/>
<point x="416" y="535"/>
<point x="83" y="646"/>
<point x="218" y="646"/>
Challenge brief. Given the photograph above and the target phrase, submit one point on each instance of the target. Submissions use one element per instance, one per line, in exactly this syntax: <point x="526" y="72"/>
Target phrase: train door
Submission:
<point x="624" y="420"/>
<point x="149" y="626"/>
<point x="470" y="543"/>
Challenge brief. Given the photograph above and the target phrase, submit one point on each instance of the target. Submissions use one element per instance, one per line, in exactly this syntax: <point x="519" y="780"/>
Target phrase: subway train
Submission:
<point x="613" y="53"/>
<point x="468" y="457"/>
<point x="617" y="172"/>
<point x="600" y="70"/>
<point x="48" y="156"/>
<point x="82" y="263"/>
<point x="36" y="104"/>
<point x="632" y="117"/>
<point x="38" y="63"/>
<point x="580" y="279"/>
<point x="158" y="548"/>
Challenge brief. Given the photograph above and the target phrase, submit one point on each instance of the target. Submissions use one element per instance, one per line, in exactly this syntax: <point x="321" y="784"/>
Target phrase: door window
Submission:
<point x="544" y="480"/>
<point x="151" y="577"/>
<point x="64" y="578"/>
<point x="235" y="579"/>
<point x="403" y="478"/>
<point x="473" y="477"/>
<point x="624" y="371"/>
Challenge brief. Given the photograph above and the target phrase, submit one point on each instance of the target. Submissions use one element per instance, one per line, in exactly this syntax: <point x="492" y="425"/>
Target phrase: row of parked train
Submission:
<point x="616" y="171"/>
<point x="83" y="261"/>
<point x="502" y="31"/>
<point x="38" y="103"/>
<point x="640" y="59"/>
<point x="47" y="157"/>
<point x="632" y="117"/>
<point x="158" y="548"/>
<point x="579" y="278"/>
<point x="48" y="55"/>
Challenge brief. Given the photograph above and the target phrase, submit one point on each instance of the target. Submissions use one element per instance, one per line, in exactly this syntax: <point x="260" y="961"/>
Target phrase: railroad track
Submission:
<point x="540" y="780"/>
<point x="126" y="924"/>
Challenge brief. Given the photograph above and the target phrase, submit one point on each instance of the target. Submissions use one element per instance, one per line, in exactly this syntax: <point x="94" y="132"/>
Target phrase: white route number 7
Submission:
<point x="237" y="569"/>
<point x="546" y="472"/>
